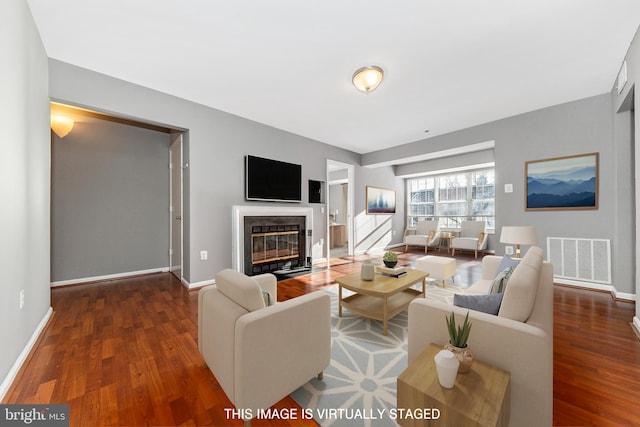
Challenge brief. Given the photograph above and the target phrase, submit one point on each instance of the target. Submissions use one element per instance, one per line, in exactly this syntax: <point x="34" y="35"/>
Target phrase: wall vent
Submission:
<point x="586" y="260"/>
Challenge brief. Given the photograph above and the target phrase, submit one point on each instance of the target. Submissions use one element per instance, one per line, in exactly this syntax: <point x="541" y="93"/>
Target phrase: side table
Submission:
<point x="446" y="236"/>
<point x="480" y="397"/>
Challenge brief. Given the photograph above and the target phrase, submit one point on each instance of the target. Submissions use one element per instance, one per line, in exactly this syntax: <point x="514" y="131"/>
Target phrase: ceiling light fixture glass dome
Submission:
<point x="368" y="78"/>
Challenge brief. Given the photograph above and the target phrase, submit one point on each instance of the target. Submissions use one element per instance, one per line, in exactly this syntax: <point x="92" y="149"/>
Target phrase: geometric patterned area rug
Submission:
<point x="359" y="385"/>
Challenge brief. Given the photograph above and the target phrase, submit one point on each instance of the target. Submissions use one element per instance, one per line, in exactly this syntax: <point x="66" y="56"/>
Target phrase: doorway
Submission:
<point x="339" y="210"/>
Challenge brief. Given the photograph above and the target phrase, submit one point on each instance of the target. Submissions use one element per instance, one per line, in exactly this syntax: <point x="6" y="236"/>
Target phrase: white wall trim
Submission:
<point x="109" y="277"/>
<point x="636" y="325"/>
<point x="596" y="286"/>
<point x="319" y="261"/>
<point x="11" y="376"/>
<point x="197" y="285"/>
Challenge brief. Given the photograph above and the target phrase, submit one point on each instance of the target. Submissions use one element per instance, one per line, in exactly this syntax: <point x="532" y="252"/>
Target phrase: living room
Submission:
<point x="215" y="146"/>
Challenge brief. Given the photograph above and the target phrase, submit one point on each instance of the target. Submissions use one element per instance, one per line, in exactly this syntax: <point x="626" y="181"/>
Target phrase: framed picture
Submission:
<point x="562" y="183"/>
<point x="380" y="201"/>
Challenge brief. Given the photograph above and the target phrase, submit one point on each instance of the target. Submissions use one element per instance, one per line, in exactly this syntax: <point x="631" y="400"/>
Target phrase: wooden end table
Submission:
<point x="446" y="236"/>
<point x="381" y="298"/>
<point x="480" y="397"/>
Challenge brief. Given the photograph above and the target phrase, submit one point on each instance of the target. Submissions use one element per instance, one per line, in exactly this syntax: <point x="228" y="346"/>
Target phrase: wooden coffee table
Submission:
<point x="381" y="298"/>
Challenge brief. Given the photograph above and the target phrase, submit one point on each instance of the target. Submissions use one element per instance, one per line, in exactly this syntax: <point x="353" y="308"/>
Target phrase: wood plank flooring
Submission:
<point x="125" y="352"/>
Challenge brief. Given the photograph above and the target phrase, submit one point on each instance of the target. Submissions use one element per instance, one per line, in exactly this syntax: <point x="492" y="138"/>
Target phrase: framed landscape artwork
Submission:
<point x="380" y="201"/>
<point x="562" y="183"/>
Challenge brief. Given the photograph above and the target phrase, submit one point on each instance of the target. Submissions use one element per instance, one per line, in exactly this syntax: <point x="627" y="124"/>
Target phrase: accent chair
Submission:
<point x="472" y="237"/>
<point x="259" y="354"/>
<point x="426" y="233"/>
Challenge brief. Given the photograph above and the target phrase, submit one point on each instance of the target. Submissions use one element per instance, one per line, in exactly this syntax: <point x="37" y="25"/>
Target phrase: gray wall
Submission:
<point x="24" y="178"/>
<point x="377" y="231"/>
<point x="110" y="199"/>
<point x="578" y="127"/>
<point x="336" y="195"/>
<point x="217" y="144"/>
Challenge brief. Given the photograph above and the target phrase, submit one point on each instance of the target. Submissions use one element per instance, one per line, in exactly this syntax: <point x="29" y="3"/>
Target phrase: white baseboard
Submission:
<point x="636" y="325"/>
<point x="319" y="261"/>
<point x="196" y="285"/>
<point x="597" y="286"/>
<point x="11" y="376"/>
<point x="109" y="277"/>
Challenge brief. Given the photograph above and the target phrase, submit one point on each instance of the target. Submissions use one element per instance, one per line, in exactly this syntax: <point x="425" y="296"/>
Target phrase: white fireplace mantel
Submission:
<point x="237" y="227"/>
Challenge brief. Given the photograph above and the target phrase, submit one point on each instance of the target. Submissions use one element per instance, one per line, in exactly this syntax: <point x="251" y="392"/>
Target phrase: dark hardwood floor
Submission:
<point x="125" y="352"/>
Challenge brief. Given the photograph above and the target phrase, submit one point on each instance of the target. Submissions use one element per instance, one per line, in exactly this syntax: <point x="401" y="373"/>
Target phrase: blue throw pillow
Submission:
<point x="485" y="303"/>
<point x="507" y="261"/>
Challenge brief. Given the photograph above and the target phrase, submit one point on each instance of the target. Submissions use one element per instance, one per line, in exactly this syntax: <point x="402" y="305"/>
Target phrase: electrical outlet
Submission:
<point x="203" y="255"/>
<point x="21" y="299"/>
<point x="508" y="250"/>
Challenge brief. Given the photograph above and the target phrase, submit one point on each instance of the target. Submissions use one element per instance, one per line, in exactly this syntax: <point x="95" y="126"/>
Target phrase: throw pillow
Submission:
<point x="485" y="303"/>
<point x="267" y="298"/>
<point x="507" y="261"/>
<point x="500" y="282"/>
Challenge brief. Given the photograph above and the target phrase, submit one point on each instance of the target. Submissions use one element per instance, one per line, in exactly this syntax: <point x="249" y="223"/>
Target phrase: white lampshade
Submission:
<point x="61" y="125"/>
<point x="368" y="78"/>
<point x="519" y="235"/>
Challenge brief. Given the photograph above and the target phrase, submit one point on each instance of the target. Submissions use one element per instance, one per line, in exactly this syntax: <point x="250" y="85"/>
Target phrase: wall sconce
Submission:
<point x="519" y="235"/>
<point x="366" y="79"/>
<point x="61" y="125"/>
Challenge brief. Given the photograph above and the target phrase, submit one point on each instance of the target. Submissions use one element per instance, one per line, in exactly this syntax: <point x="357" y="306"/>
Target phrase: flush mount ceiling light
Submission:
<point x="366" y="79"/>
<point x="61" y="125"/>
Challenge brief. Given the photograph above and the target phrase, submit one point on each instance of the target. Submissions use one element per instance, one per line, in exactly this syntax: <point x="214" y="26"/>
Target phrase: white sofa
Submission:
<point x="426" y="233"/>
<point x="259" y="354"/>
<point x="524" y="348"/>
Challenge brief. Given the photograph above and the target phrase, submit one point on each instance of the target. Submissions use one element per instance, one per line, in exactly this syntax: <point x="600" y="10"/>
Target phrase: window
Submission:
<point x="452" y="198"/>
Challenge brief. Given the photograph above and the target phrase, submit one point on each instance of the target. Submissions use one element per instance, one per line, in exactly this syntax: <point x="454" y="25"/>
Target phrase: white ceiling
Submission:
<point x="448" y="64"/>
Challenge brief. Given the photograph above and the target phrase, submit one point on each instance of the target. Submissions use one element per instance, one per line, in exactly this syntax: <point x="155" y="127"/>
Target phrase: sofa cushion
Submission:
<point x="507" y="261"/>
<point x="520" y="294"/>
<point x="501" y="280"/>
<point x="241" y="289"/>
<point x="485" y="303"/>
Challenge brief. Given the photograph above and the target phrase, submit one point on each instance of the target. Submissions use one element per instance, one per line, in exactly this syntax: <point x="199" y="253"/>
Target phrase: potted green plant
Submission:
<point x="390" y="259"/>
<point x="458" y="337"/>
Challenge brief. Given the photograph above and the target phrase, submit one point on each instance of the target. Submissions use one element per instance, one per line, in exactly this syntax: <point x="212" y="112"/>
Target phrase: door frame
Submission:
<point x="176" y="138"/>
<point x="337" y="165"/>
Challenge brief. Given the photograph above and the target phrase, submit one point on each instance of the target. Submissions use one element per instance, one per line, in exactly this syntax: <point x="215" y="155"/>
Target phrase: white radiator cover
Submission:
<point x="585" y="260"/>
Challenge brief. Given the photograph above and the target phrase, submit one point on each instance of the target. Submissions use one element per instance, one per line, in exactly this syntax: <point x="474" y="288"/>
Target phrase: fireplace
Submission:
<point x="271" y="239"/>
<point x="273" y="243"/>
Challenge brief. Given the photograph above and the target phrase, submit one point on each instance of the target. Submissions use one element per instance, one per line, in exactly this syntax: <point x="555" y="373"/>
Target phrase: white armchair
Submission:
<point x="523" y="347"/>
<point x="426" y="233"/>
<point x="472" y="236"/>
<point x="261" y="354"/>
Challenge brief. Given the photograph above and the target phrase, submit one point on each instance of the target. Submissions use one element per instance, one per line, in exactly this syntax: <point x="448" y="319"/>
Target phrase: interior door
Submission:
<point x="175" y="210"/>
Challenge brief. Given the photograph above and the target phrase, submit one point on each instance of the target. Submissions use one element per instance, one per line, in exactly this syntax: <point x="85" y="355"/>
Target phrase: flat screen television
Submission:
<point x="272" y="180"/>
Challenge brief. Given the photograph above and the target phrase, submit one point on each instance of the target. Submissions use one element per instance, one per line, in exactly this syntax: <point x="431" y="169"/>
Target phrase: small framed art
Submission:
<point x="380" y="201"/>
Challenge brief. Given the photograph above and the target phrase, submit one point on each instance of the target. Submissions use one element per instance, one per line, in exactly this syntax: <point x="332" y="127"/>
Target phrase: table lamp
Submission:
<point x="519" y="235"/>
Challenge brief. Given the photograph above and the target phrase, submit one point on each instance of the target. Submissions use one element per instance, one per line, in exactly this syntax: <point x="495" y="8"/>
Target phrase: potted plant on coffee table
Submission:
<point x="390" y="259"/>
<point x="458" y="337"/>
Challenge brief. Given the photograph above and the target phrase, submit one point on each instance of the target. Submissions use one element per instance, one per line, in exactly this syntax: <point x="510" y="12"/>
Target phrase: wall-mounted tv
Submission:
<point x="272" y="180"/>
